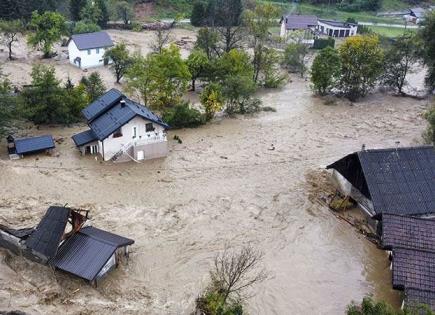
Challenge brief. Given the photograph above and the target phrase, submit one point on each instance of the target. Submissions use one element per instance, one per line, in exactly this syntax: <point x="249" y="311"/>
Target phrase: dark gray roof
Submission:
<point x="398" y="181"/>
<point x="47" y="235"/>
<point x="413" y="269"/>
<point x="34" y="144"/>
<point x="338" y="23"/>
<point x="84" y="137"/>
<point x="107" y="237"/>
<point x="83" y="256"/>
<point x="408" y="232"/>
<point x="92" y="40"/>
<point x="86" y="252"/>
<point x="119" y="115"/>
<point x="102" y="104"/>
<point x="415" y="298"/>
<point x="299" y="22"/>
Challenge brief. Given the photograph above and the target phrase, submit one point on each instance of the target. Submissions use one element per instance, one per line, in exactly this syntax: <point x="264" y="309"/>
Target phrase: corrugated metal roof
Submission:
<point x="408" y="232"/>
<point x="92" y="40"/>
<point x="83" y="256"/>
<point x="413" y="269"/>
<point x="107" y="237"/>
<point x="34" y="144"/>
<point x="47" y="235"/>
<point x="398" y="181"/>
<point x="300" y="22"/>
<point x="84" y="137"/>
<point x="102" y="104"/>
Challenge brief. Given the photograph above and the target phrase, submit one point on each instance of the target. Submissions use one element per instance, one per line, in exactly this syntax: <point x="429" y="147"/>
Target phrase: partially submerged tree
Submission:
<point x="207" y="40"/>
<point x="430" y="133"/>
<point x="427" y="35"/>
<point x="10" y="31"/>
<point x="294" y="58"/>
<point x="399" y="59"/>
<point x="93" y="85"/>
<point x="162" y="38"/>
<point x="325" y="70"/>
<point x="212" y="100"/>
<point x="197" y="63"/>
<point x="371" y="307"/>
<point x="8" y="103"/>
<point x="120" y="60"/>
<point x="48" y="28"/>
<point x="233" y="273"/>
<point x="361" y="65"/>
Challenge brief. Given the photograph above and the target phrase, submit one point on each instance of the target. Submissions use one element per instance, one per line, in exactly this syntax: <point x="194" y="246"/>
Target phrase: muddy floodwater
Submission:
<point x="235" y="181"/>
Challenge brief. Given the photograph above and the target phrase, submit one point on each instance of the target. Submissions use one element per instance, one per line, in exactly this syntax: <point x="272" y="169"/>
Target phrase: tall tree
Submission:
<point x="197" y="63"/>
<point x="199" y="11"/>
<point x="120" y="60"/>
<point x="399" y="59"/>
<point x="10" y="31"/>
<point x="48" y="28"/>
<point x="22" y="9"/>
<point x="104" y="16"/>
<point x="124" y="11"/>
<point x="207" y="40"/>
<point x="75" y="8"/>
<point x="93" y="85"/>
<point x="294" y="57"/>
<point x="427" y="34"/>
<point x="325" y="70"/>
<point x="8" y="103"/>
<point x="91" y="12"/>
<point x="362" y="64"/>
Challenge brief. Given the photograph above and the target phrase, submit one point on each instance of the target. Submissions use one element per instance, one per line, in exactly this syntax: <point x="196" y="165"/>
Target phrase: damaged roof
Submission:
<point x="398" y="181"/>
<point x="86" y="252"/>
<point x="48" y="234"/>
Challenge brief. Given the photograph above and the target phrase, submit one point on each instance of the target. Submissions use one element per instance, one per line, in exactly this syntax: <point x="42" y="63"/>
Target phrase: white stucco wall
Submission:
<point x="93" y="59"/>
<point x="113" y="145"/>
<point x="326" y="27"/>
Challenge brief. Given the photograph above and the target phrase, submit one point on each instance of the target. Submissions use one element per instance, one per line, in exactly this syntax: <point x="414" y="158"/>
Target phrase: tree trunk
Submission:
<point x="193" y="85"/>
<point x="10" y="50"/>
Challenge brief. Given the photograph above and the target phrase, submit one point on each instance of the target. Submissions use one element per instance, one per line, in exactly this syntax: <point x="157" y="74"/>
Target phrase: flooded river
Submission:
<point x="234" y="181"/>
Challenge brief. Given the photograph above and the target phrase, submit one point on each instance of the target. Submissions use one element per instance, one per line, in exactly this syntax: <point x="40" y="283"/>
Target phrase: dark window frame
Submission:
<point x="117" y="133"/>
<point x="147" y="129"/>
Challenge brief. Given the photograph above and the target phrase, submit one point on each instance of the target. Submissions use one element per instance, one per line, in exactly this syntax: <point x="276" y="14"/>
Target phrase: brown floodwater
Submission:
<point x="234" y="181"/>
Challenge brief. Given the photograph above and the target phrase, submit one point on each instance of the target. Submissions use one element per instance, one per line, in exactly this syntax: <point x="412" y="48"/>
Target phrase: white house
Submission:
<point x="122" y="130"/>
<point x="337" y="28"/>
<point x="87" y="50"/>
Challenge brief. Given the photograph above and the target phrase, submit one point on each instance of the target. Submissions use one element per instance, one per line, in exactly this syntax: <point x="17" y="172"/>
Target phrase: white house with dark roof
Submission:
<point x="122" y="130"/>
<point x="87" y="50"/>
<point x="337" y="28"/>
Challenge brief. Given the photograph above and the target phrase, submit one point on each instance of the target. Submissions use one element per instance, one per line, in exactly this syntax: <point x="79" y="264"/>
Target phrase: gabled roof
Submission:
<point x="92" y="40"/>
<point x="48" y="234"/>
<point x="102" y="104"/>
<point x="86" y="252"/>
<point x="398" y="181"/>
<point x="407" y="232"/>
<point x="413" y="269"/>
<point x="84" y="137"/>
<point x="415" y="298"/>
<point x="299" y="22"/>
<point x="34" y="144"/>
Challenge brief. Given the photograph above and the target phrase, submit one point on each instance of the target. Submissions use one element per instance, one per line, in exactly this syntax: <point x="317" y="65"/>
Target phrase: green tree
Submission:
<point x="197" y="63"/>
<point x="294" y="58"/>
<point x="325" y="70"/>
<point x="399" y="59"/>
<point x="183" y="116"/>
<point x="75" y="7"/>
<point x="23" y="9"/>
<point x="208" y="40"/>
<point x="228" y="20"/>
<point x="124" y="11"/>
<point x="48" y="28"/>
<point x="91" y="13"/>
<point x="120" y="60"/>
<point x="104" y="16"/>
<point x="199" y="11"/>
<point x="270" y="69"/>
<point x="430" y="117"/>
<point x="8" y="103"/>
<point x="160" y="79"/>
<point x="212" y="100"/>
<point x="10" y="31"/>
<point x="371" y="307"/>
<point x="362" y="64"/>
<point x="83" y="27"/>
<point x="258" y="22"/>
<point x="93" y="85"/>
<point x="427" y="35"/>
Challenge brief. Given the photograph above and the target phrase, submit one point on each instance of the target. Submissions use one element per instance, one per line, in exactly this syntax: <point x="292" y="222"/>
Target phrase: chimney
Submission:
<point x="363" y="148"/>
<point x="122" y="103"/>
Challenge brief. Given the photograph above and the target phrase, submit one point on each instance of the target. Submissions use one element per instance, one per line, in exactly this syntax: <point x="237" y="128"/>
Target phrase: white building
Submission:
<point x="122" y="130"/>
<point x="336" y="28"/>
<point x="87" y="50"/>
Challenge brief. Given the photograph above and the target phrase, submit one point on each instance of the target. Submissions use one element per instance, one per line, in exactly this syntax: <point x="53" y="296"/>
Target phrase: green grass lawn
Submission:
<point x="389" y="31"/>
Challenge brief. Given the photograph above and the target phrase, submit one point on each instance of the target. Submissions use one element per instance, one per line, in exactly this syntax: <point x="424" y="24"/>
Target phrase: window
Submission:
<point x="98" y="50"/>
<point x="134" y="132"/>
<point x="149" y="127"/>
<point x="89" y="51"/>
<point x="117" y="133"/>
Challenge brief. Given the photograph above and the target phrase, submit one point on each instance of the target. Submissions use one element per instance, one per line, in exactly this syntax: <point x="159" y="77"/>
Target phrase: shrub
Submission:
<point x="183" y="116"/>
<point x="83" y="27"/>
<point x="430" y="133"/>
<point x="212" y="100"/>
<point x="325" y="70"/>
<point x="320" y="43"/>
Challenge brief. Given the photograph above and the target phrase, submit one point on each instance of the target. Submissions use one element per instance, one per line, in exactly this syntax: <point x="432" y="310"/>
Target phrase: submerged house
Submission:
<point x="395" y="181"/>
<point x="19" y="147"/>
<point x="64" y="241"/>
<point x="87" y="50"/>
<point x="121" y="130"/>
<point x="411" y="242"/>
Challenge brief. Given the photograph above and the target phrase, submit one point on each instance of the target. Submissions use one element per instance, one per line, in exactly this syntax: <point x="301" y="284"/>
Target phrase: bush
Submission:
<point x="183" y="116"/>
<point x="136" y="27"/>
<point x="430" y="133"/>
<point x="83" y="27"/>
<point x="211" y="303"/>
<point x="320" y="43"/>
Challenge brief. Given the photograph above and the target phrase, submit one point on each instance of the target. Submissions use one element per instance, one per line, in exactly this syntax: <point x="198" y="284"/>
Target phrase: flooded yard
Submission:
<point x="234" y="181"/>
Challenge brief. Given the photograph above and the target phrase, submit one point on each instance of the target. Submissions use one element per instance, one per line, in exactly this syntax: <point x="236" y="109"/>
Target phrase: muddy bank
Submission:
<point x="223" y="184"/>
